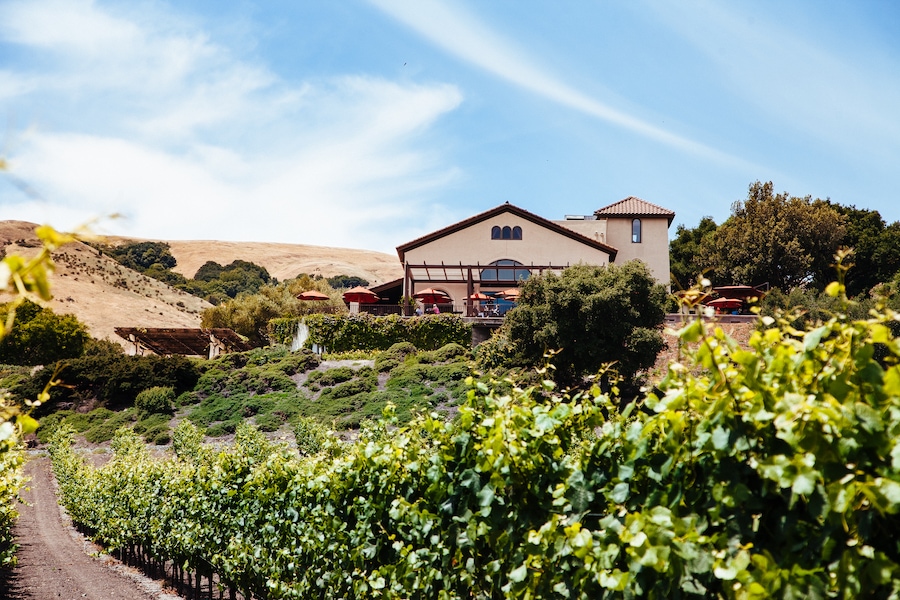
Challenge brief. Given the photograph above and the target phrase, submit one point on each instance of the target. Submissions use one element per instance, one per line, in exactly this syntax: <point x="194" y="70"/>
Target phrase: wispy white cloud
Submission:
<point x="804" y="78"/>
<point x="147" y="116"/>
<point x="462" y="34"/>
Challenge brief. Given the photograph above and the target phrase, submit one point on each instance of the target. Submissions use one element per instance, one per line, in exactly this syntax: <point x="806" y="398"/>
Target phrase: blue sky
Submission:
<point x="365" y="124"/>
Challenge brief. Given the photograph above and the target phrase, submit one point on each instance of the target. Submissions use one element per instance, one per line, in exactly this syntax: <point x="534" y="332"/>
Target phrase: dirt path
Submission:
<point x="55" y="562"/>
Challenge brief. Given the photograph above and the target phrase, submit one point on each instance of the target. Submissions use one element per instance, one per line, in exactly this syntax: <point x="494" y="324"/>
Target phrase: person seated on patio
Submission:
<point x="418" y="311"/>
<point x="435" y="309"/>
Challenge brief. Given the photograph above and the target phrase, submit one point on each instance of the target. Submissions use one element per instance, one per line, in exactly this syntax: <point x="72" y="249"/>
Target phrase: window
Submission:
<point x="507" y="274"/>
<point x="636" y="231"/>
<point x="506" y="232"/>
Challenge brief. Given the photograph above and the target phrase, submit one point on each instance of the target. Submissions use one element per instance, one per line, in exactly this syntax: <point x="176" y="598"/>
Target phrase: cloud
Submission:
<point x="796" y="71"/>
<point x="150" y="118"/>
<point x="463" y="35"/>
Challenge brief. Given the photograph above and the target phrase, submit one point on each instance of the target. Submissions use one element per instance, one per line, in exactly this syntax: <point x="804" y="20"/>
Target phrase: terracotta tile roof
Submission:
<point x="635" y="207"/>
<point x="511" y="208"/>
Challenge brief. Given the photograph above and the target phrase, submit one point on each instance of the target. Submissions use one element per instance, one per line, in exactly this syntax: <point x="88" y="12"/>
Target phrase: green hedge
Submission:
<point x="342" y="333"/>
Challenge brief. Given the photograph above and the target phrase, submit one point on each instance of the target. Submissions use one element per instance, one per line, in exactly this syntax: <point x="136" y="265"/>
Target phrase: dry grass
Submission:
<point x="104" y="295"/>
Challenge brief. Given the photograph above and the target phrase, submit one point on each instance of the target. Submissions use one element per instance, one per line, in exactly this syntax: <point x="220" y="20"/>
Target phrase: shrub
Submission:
<point x="269" y="421"/>
<point x="40" y="336"/>
<point x="333" y="376"/>
<point x="310" y="435"/>
<point x="222" y="429"/>
<point x="187" y="440"/>
<point x="351" y="388"/>
<point x="340" y="333"/>
<point x="155" y="400"/>
<point x="393" y="356"/>
<point x="588" y="317"/>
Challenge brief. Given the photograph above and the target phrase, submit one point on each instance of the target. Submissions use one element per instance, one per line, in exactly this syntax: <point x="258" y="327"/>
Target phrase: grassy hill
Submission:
<point x="104" y="295"/>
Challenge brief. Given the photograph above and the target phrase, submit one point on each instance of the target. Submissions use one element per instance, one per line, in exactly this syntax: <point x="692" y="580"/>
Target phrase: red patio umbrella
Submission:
<point x="361" y="295"/>
<point x="432" y="296"/>
<point x="479" y="296"/>
<point x="313" y="295"/>
<point x="725" y="303"/>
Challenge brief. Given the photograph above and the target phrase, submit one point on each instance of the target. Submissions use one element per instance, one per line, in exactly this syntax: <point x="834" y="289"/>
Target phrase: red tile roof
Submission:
<point x="635" y="207"/>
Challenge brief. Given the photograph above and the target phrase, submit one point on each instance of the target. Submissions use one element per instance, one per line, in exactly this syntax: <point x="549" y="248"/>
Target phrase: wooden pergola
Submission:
<point x="209" y="342"/>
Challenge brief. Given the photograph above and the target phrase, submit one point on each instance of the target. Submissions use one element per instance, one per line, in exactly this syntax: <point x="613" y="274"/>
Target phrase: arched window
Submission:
<point x="506" y="232"/>
<point x="636" y="231"/>
<point x="509" y="274"/>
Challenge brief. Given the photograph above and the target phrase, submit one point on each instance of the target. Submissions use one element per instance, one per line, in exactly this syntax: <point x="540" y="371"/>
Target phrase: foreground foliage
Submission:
<point x="23" y="279"/>
<point x="768" y="472"/>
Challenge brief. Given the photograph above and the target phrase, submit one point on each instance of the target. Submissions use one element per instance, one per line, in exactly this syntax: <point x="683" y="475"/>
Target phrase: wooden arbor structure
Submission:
<point x="208" y="342"/>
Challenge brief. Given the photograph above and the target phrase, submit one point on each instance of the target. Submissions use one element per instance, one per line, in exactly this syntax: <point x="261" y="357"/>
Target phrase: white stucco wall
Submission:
<point x="473" y="245"/>
<point x="539" y="246"/>
<point x="653" y="249"/>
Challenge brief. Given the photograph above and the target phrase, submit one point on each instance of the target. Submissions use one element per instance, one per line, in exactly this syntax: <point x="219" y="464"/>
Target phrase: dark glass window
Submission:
<point x="506" y="232"/>
<point x="636" y="231"/>
<point x="510" y="274"/>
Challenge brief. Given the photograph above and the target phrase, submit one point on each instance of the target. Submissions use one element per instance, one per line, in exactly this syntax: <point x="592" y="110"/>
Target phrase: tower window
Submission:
<point x="636" y="231"/>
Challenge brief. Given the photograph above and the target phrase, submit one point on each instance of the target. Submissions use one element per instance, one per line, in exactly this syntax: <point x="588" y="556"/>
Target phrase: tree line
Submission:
<point x="787" y="242"/>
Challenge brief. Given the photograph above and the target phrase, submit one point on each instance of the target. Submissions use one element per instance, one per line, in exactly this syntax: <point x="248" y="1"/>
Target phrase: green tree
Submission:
<point x="212" y="279"/>
<point x="592" y="316"/>
<point x="778" y="239"/>
<point x="876" y="248"/>
<point x="346" y="281"/>
<point x="140" y="256"/>
<point x="249" y="313"/>
<point x="40" y="336"/>
<point x="684" y="253"/>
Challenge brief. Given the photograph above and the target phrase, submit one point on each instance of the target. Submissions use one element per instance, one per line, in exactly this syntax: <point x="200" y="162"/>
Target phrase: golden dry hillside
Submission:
<point x="104" y="295"/>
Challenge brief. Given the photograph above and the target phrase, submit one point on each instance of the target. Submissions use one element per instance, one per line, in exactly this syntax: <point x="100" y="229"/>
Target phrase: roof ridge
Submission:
<point x="506" y="206"/>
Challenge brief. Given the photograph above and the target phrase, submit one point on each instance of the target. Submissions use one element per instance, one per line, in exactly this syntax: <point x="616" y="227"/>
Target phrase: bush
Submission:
<point x="269" y="422"/>
<point x="351" y="388"/>
<point x="113" y="379"/>
<point x="187" y="440"/>
<point x="310" y="435"/>
<point x="394" y="356"/>
<point x="40" y="336"/>
<point x="588" y="317"/>
<point x="340" y="333"/>
<point x="155" y="400"/>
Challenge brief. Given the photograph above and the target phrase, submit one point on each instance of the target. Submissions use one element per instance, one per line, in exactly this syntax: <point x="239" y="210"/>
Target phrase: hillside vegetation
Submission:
<point x="104" y="295"/>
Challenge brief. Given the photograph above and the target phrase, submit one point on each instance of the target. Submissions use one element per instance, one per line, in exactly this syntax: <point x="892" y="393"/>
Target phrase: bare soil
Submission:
<point x="56" y="562"/>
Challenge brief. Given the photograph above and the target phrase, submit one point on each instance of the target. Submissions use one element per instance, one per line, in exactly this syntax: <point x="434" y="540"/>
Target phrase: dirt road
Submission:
<point x="56" y="563"/>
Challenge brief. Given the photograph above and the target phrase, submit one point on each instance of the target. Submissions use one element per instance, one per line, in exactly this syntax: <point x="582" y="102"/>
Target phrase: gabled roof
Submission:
<point x="505" y="208"/>
<point x="634" y="207"/>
